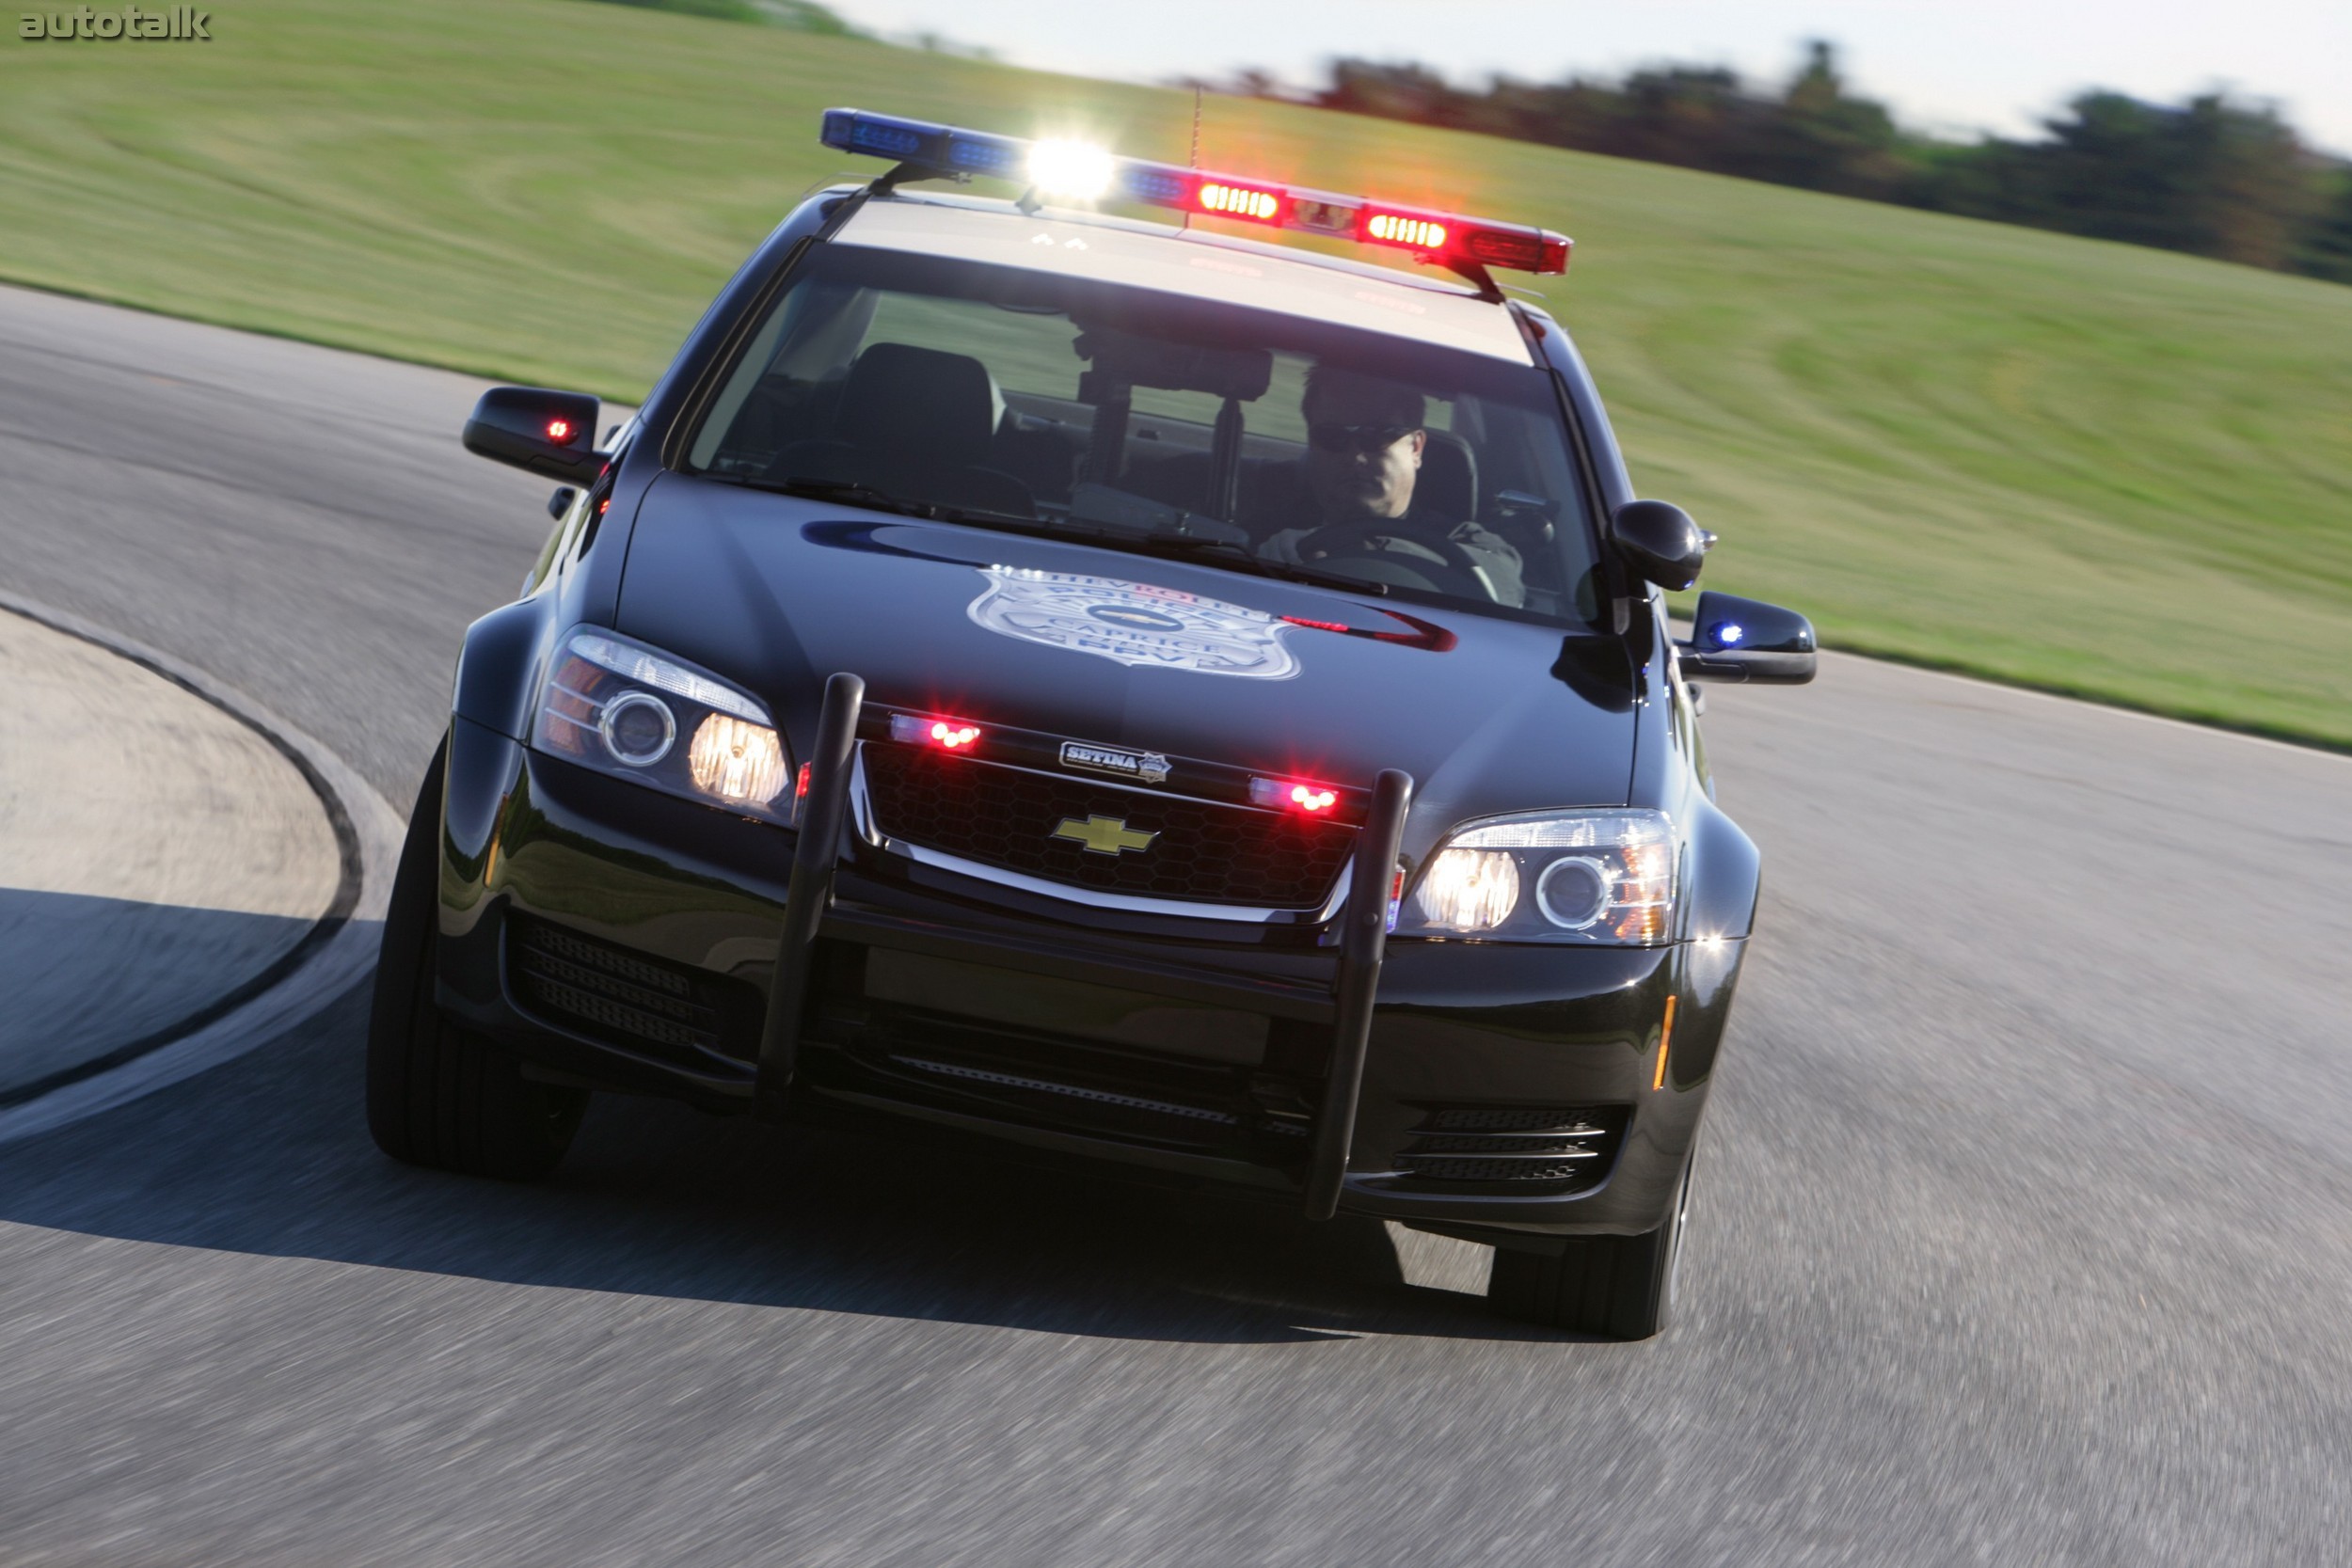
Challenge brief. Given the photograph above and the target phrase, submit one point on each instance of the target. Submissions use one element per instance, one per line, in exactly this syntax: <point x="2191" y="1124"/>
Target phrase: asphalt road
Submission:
<point x="2023" y="1233"/>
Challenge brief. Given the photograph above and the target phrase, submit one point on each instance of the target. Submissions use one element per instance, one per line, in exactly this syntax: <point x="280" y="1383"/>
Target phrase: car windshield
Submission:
<point x="1244" y="439"/>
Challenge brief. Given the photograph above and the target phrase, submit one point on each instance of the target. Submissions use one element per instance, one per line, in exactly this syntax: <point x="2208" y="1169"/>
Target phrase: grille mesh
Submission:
<point x="1204" y="852"/>
<point x="1513" y="1171"/>
<point x="1506" y="1143"/>
<point x="1047" y="1085"/>
<point x="1548" y="1149"/>
<point x="1502" y="1118"/>
<point x="609" y="992"/>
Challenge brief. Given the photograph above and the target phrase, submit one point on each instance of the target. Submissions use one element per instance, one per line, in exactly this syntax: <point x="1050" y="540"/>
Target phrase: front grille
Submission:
<point x="629" y="999"/>
<point x="1203" y="851"/>
<point x="1548" y="1149"/>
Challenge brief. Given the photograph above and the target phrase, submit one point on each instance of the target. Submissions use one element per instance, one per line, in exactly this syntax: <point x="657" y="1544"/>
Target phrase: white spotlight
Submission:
<point x="1070" y="169"/>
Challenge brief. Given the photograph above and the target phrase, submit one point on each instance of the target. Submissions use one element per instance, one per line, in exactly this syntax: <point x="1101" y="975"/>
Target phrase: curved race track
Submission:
<point x="2025" y="1231"/>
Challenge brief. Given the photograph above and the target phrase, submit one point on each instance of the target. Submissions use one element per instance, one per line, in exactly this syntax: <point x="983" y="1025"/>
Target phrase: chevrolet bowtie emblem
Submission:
<point x="1104" y="835"/>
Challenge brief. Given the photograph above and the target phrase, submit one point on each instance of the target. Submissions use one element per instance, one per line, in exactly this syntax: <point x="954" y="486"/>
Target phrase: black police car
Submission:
<point x="1124" y="690"/>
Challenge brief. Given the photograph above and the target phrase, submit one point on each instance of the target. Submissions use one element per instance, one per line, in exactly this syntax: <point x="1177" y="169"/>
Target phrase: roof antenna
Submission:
<point x="1195" y="141"/>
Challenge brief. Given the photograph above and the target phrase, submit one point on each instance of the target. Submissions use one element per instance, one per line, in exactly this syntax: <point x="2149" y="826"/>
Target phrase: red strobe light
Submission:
<point x="1409" y="230"/>
<point x="1227" y="199"/>
<point x="559" y="430"/>
<point x="1310" y="800"/>
<point x="946" y="734"/>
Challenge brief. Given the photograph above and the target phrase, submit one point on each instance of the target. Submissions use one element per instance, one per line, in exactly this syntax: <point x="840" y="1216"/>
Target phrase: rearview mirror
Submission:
<point x="1747" y="641"/>
<point x="1660" y="542"/>
<point x="531" y="427"/>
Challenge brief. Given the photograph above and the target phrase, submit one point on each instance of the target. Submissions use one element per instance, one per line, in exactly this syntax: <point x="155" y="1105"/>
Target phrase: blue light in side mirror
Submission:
<point x="1748" y="641"/>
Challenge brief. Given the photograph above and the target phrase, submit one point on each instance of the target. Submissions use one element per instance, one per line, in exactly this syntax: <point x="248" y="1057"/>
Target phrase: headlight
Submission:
<point x="620" y="707"/>
<point x="1603" y="878"/>
<point x="1469" y="890"/>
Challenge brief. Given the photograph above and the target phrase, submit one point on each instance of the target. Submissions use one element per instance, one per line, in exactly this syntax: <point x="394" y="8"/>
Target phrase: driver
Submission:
<point x="1365" y="438"/>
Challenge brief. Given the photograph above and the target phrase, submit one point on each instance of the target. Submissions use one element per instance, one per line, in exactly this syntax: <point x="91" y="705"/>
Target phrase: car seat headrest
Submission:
<point x="1448" y="484"/>
<point x="919" y="405"/>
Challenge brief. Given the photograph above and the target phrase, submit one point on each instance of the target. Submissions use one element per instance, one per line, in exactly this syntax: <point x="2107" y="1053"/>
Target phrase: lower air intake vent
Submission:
<point x="1047" y="1085"/>
<point x="1519" y="1170"/>
<point x="1546" y="1148"/>
<point x="626" y="998"/>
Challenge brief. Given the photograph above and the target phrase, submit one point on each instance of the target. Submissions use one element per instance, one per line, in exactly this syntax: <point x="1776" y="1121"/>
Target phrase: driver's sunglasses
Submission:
<point x="1357" y="438"/>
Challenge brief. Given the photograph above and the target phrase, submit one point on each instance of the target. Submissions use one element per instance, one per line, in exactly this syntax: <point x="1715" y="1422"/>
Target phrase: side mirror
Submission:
<point x="552" y="433"/>
<point x="1660" y="542"/>
<point x="1747" y="641"/>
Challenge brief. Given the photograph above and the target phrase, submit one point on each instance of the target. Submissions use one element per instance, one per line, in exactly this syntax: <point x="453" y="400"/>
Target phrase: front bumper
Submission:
<point x="545" y="863"/>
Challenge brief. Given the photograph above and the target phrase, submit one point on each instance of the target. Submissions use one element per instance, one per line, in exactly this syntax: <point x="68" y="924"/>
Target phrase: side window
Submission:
<point x="775" y="394"/>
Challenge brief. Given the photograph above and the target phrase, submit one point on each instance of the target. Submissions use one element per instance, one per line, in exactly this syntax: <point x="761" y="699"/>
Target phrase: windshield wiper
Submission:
<point x="1220" y="552"/>
<point x="840" y="490"/>
<point x="846" y="494"/>
<point x="1241" y="557"/>
<point x="849" y="494"/>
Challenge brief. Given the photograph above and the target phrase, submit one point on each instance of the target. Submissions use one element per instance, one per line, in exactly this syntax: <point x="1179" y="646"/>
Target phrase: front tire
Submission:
<point x="442" y="1095"/>
<point x="1617" y="1287"/>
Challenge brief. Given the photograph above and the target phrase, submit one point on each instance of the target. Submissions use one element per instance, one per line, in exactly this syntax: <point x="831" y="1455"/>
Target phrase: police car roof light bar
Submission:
<point x="1466" y="245"/>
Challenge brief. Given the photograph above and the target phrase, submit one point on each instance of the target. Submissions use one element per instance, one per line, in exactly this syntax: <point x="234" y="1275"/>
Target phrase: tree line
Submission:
<point x="2213" y="176"/>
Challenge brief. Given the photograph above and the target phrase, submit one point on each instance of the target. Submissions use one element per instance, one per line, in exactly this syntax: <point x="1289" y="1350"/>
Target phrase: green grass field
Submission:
<point x="2119" y="472"/>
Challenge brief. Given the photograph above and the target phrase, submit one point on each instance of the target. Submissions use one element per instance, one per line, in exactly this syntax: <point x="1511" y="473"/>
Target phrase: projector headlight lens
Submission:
<point x="638" y="728"/>
<point x="617" y="705"/>
<point x="1573" y="891"/>
<point x="1601" y="878"/>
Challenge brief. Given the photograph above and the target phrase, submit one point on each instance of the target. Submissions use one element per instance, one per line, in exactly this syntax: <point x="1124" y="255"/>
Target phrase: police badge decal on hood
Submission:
<point x="1135" y="623"/>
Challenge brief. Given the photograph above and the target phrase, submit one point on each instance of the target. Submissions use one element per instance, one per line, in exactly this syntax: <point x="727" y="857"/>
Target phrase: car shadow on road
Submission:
<point x="269" y="1155"/>
<point x="92" y="980"/>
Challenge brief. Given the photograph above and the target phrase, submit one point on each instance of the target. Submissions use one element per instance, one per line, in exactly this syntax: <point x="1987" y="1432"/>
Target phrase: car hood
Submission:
<point x="776" y="593"/>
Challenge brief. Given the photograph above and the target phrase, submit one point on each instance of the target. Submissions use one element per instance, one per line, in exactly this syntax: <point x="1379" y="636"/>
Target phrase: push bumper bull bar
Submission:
<point x="823" y="817"/>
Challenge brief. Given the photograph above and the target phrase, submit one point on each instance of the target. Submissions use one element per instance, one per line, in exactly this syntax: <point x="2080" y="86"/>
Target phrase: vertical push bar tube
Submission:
<point x="810" y="893"/>
<point x="1363" y="937"/>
